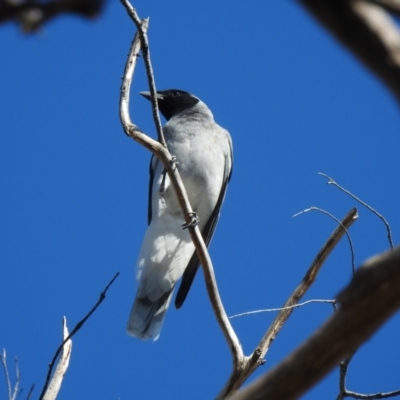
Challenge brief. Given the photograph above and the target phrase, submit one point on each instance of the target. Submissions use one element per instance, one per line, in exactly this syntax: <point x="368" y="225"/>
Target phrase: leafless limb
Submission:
<point x="368" y="30"/>
<point x="12" y="392"/>
<point x="238" y="377"/>
<point x="31" y="15"/>
<point x="344" y="392"/>
<point x="144" y="45"/>
<point x="353" y="263"/>
<point x="3" y="359"/>
<point x="343" y="367"/>
<point x="30" y="392"/>
<point x="380" y="216"/>
<point x="75" y="330"/>
<point x="56" y="380"/>
<point x="393" y="6"/>
<point x="329" y="301"/>
<point x="366" y="303"/>
<point x="160" y="151"/>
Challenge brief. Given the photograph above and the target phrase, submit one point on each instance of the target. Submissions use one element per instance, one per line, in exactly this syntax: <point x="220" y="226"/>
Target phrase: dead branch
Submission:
<point x="366" y="29"/>
<point x="238" y="377"/>
<point x="363" y="203"/>
<point x="366" y="303"/>
<point x="62" y="366"/>
<point x="78" y="326"/>
<point x="31" y="15"/>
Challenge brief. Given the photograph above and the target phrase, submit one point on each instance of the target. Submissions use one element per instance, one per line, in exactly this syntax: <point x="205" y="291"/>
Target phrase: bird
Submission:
<point x="202" y="152"/>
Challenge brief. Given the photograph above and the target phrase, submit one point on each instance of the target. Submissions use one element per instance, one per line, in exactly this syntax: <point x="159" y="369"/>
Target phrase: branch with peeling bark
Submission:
<point x="55" y="384"/>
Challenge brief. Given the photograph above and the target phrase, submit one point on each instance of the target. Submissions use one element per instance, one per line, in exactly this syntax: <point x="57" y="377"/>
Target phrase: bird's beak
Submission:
<point x="147" y="95"/>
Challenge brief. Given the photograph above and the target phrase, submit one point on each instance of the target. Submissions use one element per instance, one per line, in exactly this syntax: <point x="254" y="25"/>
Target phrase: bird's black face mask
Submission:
<point x="173" y="101"/>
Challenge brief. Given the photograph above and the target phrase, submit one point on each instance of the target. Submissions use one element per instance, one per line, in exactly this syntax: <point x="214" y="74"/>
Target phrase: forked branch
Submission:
<point x="161" y="151"/>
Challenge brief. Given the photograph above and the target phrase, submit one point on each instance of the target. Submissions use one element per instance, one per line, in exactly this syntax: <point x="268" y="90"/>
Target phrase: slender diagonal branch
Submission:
<point x="256" y="359"/>
<point x="160" y="151"/>
<point x="370" y="299"/>
<point x="75" y="330"/>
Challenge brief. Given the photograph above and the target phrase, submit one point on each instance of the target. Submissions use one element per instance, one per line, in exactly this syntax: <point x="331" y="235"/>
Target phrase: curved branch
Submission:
<point x="165" y="157"/>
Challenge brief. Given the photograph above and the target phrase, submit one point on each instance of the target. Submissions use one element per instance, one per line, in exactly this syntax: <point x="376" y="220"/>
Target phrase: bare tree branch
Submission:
<point x="62" y="366"/>
<point x="380" y="216"/>
<point x="238" y="377"/>
<point x="75" y="330"/>
<point x="366" y="303"/>
<point x="392" y="6"/>
<point x="33" y="14"/>
<point x="160" y="151"/>
<point x="367" y="30"/>
<point x="304" y="303"/>
<point x="3" y="359"/>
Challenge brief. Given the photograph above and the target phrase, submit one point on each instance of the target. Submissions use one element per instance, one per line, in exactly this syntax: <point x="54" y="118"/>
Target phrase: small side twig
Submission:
<point x="283" y="308"/>
<point x="30" y="392"/>
<point x="141" y="27"/>
<point x="73" y="332"/>
<point x="380" y="216"/>
<point x="353" y="263"/>
<point x="343" y="367"/>
<point x="343" y="392"/>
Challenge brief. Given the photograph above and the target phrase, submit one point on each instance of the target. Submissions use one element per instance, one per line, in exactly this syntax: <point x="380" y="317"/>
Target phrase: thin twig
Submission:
<point x="17" y="380"/>
<point x="162" y="153"/>
<point x="30" y="392"/>
<point x="380" y="216"/>
<point x="75" y="330"/>
<point x="353" y="263"/>
<point x="3" y="359"/>
<point x="343" y="367"/>
<point x="343" y="392"/>
<point x="373" y="396"/>
<point x="256" y="358"/>
<point x="283" y="308"/>
<point x="141" y="27"/>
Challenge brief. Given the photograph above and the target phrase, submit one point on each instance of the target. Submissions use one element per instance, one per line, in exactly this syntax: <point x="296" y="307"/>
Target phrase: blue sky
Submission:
<point x="73" y="198"/>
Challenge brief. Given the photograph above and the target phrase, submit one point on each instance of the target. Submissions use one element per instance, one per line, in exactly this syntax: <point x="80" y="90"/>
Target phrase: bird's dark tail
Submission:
<point x="147" y="317"/>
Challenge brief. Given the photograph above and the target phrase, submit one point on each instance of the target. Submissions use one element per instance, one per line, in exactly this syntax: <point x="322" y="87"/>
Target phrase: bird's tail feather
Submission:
<point x="147" y="317"/>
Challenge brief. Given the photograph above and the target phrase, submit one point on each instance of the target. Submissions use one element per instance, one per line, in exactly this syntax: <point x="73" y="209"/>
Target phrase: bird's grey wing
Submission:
<point x="207" y="233"/>
<point x="152" y="171"/>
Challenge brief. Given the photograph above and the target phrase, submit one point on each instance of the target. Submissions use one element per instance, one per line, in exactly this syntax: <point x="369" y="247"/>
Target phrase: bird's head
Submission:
<point x="173" y="101"/>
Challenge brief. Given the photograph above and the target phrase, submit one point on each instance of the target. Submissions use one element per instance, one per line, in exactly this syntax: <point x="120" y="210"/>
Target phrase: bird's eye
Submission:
<point x="175" y="93"/>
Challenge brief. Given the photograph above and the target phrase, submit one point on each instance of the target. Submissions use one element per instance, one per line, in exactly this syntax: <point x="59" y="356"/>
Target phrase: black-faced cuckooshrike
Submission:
<point x="203" y="152"/>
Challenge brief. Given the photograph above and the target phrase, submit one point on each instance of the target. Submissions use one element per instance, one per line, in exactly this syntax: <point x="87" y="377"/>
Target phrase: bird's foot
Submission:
<point x="173" y="162"/>
<point x="194" y="221"/>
